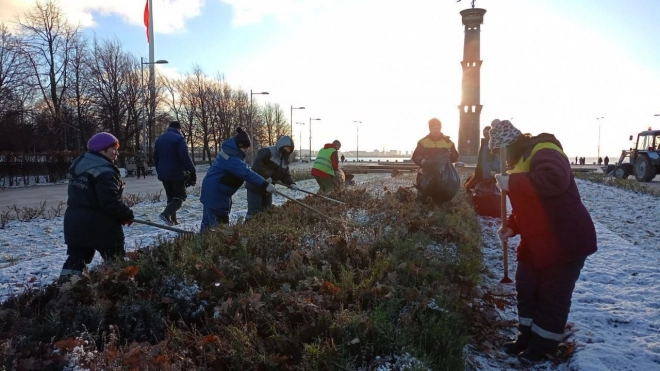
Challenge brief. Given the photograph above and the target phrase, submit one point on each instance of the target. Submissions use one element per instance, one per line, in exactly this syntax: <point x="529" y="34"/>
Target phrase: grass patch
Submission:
<point x="286" y="290"/>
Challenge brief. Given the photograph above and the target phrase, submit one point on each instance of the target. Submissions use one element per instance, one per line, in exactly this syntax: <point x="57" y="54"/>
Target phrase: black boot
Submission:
<point x="521" y="343"/>
<point x="170" y="210"/>
<point x="538" y="349"/>
<point x="173" y="218"/>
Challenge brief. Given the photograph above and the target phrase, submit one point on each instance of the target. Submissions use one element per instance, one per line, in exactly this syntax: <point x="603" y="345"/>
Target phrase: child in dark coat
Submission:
<point x="556" y="236"/>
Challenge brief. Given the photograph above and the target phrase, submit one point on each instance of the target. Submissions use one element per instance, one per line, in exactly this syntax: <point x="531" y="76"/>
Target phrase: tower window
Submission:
<point x="474" y="109"/>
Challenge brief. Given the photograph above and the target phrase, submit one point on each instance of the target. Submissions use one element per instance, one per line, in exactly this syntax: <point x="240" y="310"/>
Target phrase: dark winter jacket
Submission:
<point x="140" y="158"/>
<point x="548" y="213"/>
<point x="171" y="157"/>
<point x="486" y="162"/>
<point x="95" y="208"/>
<point x="225" y="176"/>
<point x="429" y="148"/>
<point x="272" y="163"/>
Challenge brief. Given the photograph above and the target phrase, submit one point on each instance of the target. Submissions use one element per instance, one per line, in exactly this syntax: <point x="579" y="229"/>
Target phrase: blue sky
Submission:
<point x="552" y="65"/>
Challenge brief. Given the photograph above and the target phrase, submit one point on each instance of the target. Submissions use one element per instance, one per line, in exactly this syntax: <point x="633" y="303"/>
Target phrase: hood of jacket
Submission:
<point x="329" y="145"/>
<point x="230" y="148"/>
<point x="89" y="161"/>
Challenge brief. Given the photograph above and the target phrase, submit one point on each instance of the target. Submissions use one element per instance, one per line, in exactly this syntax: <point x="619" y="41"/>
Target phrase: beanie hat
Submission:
<point x="502" y="133"/>
<point x="175" y="125"/>
<point x="242" y="139"/>
<point x="336" y="143"/>
<point x="101" y="141"/>
<point x="434" y="122"/>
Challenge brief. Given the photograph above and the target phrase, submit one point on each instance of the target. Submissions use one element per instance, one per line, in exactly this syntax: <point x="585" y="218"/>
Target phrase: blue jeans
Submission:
<point x="212" y="218"/>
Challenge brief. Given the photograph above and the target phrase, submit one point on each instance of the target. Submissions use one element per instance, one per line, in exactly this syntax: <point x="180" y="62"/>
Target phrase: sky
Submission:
<point x="549" y="65"/>
<point x="615" y="313"/>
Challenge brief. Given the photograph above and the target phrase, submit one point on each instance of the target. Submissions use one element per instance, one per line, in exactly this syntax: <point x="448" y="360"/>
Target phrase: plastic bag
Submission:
<point x="438" y="178"/>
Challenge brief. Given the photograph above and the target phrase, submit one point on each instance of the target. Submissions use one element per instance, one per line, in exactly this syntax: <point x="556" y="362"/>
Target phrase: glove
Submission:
<point x="192" y="180"/>
<point x="502" y="181"/>
<point x="270" y="188"/>
<point x="126" y="222"/>
<point x="504" y="234"/>
<point x="269" y="180"/>
<point x="294" y="187"/>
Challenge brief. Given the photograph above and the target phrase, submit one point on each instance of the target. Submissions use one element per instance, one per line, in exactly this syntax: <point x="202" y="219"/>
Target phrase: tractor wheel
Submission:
<point x="644" y="171"/>
<point x="620" y="172"/>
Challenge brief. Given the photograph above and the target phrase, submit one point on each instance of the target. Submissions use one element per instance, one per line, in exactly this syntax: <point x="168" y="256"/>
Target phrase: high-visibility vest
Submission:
<point x="523" y="165"/>
<point x="441" y="143"/>
<point x="323" y="161"/>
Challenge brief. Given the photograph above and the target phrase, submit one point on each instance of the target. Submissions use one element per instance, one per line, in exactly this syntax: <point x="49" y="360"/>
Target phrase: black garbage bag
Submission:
<point x="438" y="178"/>
<point x="485" y="197"/>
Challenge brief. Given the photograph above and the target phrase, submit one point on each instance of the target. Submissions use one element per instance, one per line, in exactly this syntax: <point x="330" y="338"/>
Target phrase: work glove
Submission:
<point x="126" y="222"/>
<point x="505" y="234"/>
<point x="294" y="187"/>
<point x="269" y="180"/>
<point x="192" y="180"/>
<point x="502" y="181"/>
<point x="270" y="188"/>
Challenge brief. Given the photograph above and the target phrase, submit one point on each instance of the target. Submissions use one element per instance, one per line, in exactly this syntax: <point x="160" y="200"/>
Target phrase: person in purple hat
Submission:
<point x="95" y="211"/>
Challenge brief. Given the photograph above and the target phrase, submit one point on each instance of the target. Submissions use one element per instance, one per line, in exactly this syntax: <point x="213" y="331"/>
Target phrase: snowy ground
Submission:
<point x="616" y="305"/>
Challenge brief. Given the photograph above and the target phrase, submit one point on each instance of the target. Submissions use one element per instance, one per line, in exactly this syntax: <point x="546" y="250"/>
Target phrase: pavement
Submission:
<point x="55" y="193"/>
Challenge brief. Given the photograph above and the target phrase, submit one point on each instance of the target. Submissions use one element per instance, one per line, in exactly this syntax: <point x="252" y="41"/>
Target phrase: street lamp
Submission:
<point x="252" y="131"/>
<point x="598" y="119"/>
<point x="310" y="137"/>
<point x="152" y="91"/>
<point x="292" y="108"/>
<point x="357" y="139"/>
<point x="300" y="138"/>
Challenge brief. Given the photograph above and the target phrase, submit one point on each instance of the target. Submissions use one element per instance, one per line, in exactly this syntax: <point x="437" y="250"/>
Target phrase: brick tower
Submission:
<point x="470" y="108"/>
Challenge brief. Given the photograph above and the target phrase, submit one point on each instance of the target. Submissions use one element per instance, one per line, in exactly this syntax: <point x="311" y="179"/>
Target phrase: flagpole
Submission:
<point x="152" y="75"/>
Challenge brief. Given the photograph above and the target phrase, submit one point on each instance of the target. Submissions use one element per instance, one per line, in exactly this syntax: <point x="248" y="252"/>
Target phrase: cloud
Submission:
<point x="171" y="14"/>
<point x="247" y="12"/>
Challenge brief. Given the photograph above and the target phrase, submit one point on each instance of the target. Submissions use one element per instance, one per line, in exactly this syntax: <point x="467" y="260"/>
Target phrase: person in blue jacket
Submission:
<point x="225" y="177"/>
<point x="175" y="169"/>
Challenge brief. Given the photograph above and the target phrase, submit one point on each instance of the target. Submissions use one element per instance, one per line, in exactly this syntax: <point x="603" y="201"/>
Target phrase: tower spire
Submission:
<point x="470" y="107"/>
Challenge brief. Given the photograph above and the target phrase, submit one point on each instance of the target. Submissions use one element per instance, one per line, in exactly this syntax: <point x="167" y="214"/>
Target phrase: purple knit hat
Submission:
<point x="101" y="141"/>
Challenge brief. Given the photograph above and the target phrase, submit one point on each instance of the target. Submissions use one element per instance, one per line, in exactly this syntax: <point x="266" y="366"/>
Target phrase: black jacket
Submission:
<point x="272" y="163"/>
<point x="95" y="207"/>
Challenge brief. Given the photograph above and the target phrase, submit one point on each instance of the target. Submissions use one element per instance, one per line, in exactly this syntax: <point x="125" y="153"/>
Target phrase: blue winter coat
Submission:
<point x="171" y="157"/>
<point x="226" y="176"/>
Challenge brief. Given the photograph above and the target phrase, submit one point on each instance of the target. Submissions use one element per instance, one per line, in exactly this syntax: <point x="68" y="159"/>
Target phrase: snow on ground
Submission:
<point x="615" y="315"/>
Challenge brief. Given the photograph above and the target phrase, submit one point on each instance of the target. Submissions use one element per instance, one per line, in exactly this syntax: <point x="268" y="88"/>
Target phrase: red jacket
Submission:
<point x="554" y="225"/>
<point x="335" y="163"/>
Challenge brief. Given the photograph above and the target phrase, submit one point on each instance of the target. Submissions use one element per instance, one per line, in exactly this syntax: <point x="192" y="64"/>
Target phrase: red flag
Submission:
<point x="146" y="18"/>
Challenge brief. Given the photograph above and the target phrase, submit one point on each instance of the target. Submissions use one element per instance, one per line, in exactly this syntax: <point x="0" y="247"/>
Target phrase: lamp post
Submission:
<point x="252" y="131"/>
<point x="152" y="91"/>
<point x="292" y="108"/>
<point x="300" y="138"/>
<point x="357" y="139"/>
<point x="598" y="119"/>
<point x="310" y="137"/>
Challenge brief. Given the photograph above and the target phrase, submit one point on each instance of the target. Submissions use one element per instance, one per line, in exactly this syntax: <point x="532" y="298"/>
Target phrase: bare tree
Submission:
<point x="47" y="43"/>
<point x="273" y="124"/>
<point x="111" y="69"/>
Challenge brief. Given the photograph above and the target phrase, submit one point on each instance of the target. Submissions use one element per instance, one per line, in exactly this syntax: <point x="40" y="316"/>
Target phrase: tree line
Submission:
<point x="58" y="87"/>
